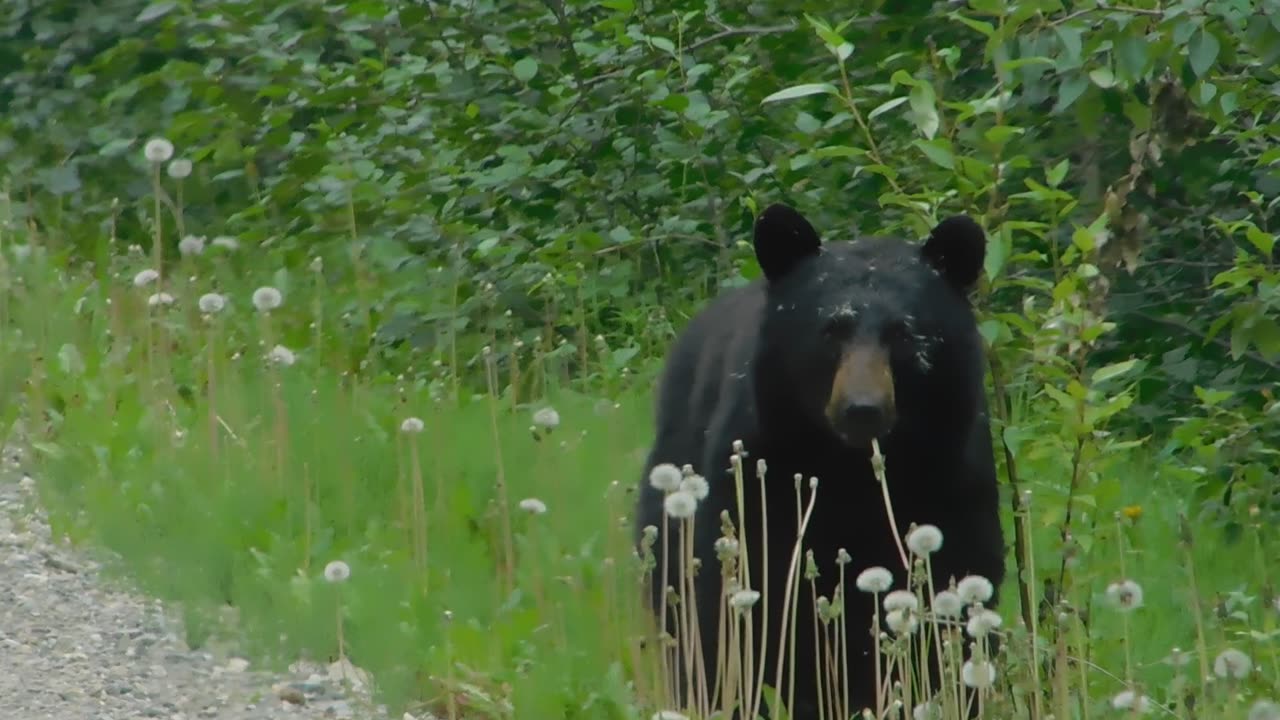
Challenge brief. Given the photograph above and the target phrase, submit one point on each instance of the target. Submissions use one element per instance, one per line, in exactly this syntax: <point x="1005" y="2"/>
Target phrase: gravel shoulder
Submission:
<point x="73" y="646"/>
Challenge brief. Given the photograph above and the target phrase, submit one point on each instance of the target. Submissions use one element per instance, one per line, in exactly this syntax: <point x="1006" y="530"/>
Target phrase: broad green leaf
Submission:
<point x="1055" y="175"/>
<point x="1102" y="77"/>
<point x="525" y="68"/>
<point x="1265" y="242"/>
<point x="1070" y="90"/>
<point x="1202" y="51"/>
<point x="923" y="110"/>
<point x="939" y="151"/>
<point x="799" y="91"/>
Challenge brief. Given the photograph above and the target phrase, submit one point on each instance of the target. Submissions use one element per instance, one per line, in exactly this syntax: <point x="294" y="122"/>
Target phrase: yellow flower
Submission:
<point x="1133" y="512"/>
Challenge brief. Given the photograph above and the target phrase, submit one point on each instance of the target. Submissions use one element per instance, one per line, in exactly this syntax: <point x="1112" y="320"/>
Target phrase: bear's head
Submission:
<point x="867" y="336"/>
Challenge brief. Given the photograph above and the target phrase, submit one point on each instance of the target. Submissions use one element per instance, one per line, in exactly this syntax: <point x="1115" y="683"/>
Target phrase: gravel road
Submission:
<point x="73" y="647"/>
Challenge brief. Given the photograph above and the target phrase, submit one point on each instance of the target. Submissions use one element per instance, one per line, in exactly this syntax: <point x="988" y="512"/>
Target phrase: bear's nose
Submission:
<point x="864" y="417"/>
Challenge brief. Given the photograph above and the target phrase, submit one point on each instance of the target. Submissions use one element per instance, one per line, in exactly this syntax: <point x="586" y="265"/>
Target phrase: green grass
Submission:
<point x="241" y="491"/>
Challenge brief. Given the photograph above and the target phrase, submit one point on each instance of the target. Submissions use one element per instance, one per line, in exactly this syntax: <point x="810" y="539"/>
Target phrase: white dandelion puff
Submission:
<point x="1264" y="710"/>
<point x="533" y="506"/>
<point x="160" y="299"/>
<point x="1125" y="595"/>
<point x="947" y="604"/>
<point x="226" y="242"/>
<point x="974" y="589"/>
<point x="337" y="571"/>
<point x="157" y="150"/>
<point x="984" y="622"/>
<point x="547" y="418"/>
<point x="1129" y="700"/>
<point x="1232" y="663"/>
<point x="665" y="477"/>
<point x="179" y="168"/>
<point x="191" y="245"/>
<point x="267" y="298"/>
<point x="211" y="303"/>
<point x="927" y="711"/>
<point x="668" y="715"/>
<point x="282" y="356"/>
<point x="874" y="580"/>
<point x="978" y="675"/>
<point x="412" y="425"/>
<point x="145" y="277"/>
<point x="697" y="485"/>
<point x="924" y="540"/>
<point x="680" y="504"/>
<point x="901" y="622"/>
<point x="901" y="600"/>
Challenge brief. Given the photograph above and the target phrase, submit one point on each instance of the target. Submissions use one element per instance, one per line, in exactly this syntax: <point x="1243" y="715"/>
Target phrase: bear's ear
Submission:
<point x="957" y="248"/>
<point x="782" y="238"/>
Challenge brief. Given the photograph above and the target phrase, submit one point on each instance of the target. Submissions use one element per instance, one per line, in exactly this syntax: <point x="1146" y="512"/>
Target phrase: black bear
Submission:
<point x="836" y="345"/>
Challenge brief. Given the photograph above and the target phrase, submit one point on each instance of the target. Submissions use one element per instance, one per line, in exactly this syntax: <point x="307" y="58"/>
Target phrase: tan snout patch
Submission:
<point x="863" y="377"/>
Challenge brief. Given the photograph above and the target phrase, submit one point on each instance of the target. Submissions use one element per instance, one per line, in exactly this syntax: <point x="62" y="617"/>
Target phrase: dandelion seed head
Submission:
<point x="211" y="303"/>
<point x="974" y="589"/>
<point x="1125" y="595"/>
<point x="282" y="356"/>
<point x="267" y="298"/>
<point x="157" y="150"/>
<point x="1232" y="663"/>
<point x="145" y="277"/>
<point x="874" y="580"/>
<point x="179" y="168"/>
<point x="191" y="245"/>
<point x="1264" y="710"/>
<point x="726" y="547"/>
<point x="337" y="571"/>
<point x="947" y="604"/>
<point x="901" y="622"/>
<point x="668" y="715"/>
<point x="927" y="711"/>
<point x="412" y="425"/>
<point x="533" y="506"/>
<point x="547" y="418"/>
<point x="697" y="485"/>
<point x="983" y="622"/>
<point x="160" y="299"/>
<point x="978" y="675"/>
<point x="924" y="540"/>
<point x="226" y="242"/>
<point x="680" y="504"/>
<point x="901" y="600"/>
<point x="665" y="477"/>
<point x="1129" y="700"/>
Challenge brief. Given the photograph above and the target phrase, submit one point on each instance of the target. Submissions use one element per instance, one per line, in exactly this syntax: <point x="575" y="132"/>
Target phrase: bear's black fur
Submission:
<point x="837" y="344"/>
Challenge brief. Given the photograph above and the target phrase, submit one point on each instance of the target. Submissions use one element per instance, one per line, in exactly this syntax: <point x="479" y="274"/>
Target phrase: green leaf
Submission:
<point x="1265" y="242"/>
<point x="799" y="91"/>
<point x="60" y="179"/>
<point x="885" y="107"/>
<point x="156" y="10"/>
<point x="1266" y="336"/>
<point x="1102" y="77"/>
<point x="1202" y="51"/>
<point x="923" y="110"/>
<point x="939" y="151"/>
<point x="1055" y="175"/>
<point x="525" y="68"/>
<point x="1070" y="90"/>
<point x="1115" y="370"/>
